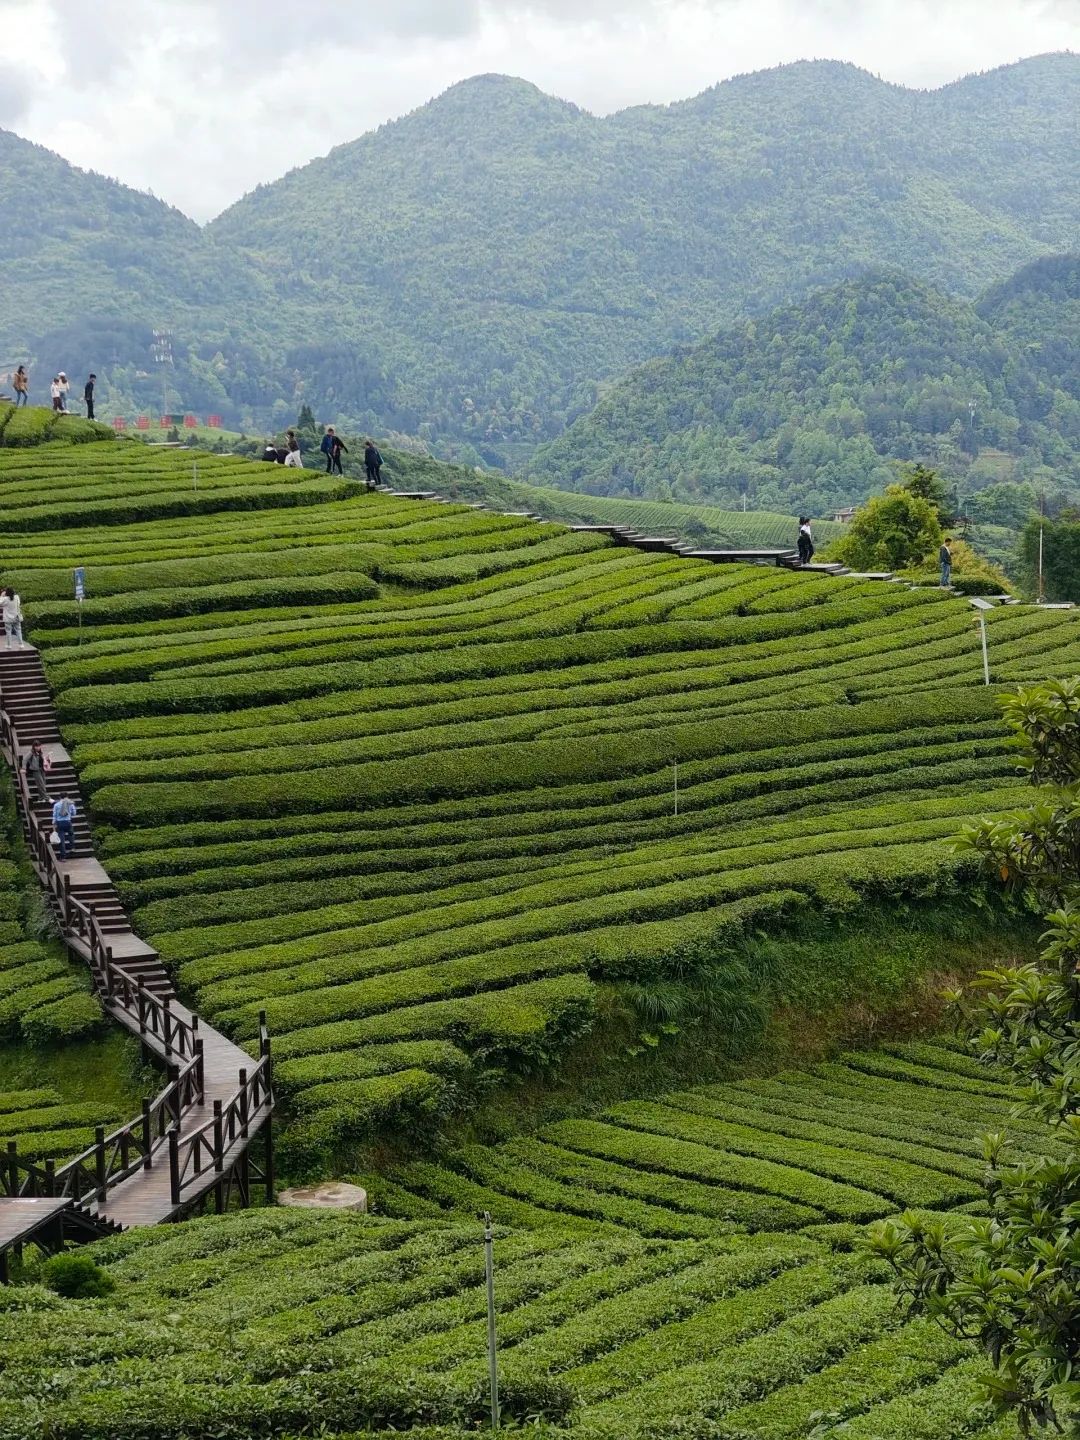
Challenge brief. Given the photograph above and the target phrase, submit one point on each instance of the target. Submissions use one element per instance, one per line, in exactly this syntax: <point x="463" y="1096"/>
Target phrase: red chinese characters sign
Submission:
<point x="214" y="422"/>
<point x="143" y="422"/>
<point x="119" y="423"/>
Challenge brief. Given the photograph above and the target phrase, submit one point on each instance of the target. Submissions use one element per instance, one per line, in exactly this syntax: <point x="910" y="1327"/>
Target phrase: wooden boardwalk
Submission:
<point x="193" y="1139"/>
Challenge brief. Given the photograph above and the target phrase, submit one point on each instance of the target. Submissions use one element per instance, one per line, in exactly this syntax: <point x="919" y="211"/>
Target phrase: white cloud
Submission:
<point x="200" y="100"/>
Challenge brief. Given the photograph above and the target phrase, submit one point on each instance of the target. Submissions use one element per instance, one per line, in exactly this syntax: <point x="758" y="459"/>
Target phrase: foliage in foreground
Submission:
<point x="1012" y="1281"/>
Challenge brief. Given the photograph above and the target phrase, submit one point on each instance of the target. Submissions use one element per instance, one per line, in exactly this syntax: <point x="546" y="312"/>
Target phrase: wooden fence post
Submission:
<point x="99" y="1161"/>
<point x="147" y="1135"/>
<point x="174" y="1165"/>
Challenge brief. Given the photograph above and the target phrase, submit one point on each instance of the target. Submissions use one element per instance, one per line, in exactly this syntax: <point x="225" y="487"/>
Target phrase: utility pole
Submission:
<point x="1042" y="523"/>
<point x="493" y="1357"/>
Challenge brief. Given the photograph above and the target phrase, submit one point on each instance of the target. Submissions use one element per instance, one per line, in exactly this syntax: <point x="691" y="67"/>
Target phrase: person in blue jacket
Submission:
<point x="327" y="448"/>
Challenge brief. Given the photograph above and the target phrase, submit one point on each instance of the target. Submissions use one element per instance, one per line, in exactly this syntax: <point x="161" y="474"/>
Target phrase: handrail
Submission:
<point x="153" y="1014"/>
<point x="111" y="1159"/>
<point x="193" y="1154"/>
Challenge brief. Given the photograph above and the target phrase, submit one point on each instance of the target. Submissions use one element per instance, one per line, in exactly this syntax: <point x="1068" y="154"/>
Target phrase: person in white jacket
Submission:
<point x="11" y="609"/>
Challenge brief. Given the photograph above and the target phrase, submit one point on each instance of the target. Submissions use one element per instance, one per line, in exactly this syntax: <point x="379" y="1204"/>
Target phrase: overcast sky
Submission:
<point x="200" y="100"/>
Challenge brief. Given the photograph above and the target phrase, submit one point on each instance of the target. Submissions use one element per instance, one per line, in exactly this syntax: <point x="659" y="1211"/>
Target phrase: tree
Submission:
<point x="1012" y="1282"/>
<point x="893" y="531"/>
<point x="928" y="485"/>
<point x="1061" y="555"/>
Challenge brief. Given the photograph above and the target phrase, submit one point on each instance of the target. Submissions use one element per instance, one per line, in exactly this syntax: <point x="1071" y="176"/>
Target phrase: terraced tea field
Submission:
<point x="402" y="773"/>
<point x="631" y="1301"/>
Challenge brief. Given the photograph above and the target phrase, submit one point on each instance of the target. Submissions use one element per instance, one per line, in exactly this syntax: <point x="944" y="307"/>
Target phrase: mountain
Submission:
<point x="810" y="406"/>
<point x="476" y="271"/>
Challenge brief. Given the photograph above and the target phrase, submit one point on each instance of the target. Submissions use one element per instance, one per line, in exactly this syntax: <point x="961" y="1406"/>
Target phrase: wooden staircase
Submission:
<point x="191" y="1141"/>
<point x="27" y="704"/>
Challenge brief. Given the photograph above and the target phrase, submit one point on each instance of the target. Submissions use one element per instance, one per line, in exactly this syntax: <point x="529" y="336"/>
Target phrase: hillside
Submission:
<point x="499" y="253"/>
<point x="629" y="1305"/>
<point x="807" y="407"/>
<point x="401" y="772"/>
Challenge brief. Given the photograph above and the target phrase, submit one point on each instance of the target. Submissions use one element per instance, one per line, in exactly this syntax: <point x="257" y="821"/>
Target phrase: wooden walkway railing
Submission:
<point x="192" y="1139"/>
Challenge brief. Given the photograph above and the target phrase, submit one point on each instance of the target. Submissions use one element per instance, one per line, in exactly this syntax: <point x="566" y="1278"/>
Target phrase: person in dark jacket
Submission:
<point x="88" y="395"/>
<point x="806" y="541"/>
<point x="327" y="448"/>
<point x="337" y="449"/>
<point x="372" y="464"/>
<point x="35" y="768"/>
<point x="945" y="560"/>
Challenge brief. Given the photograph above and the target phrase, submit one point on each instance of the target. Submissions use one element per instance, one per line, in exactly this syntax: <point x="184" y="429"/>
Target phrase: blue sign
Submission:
<point x="80" y="582"/>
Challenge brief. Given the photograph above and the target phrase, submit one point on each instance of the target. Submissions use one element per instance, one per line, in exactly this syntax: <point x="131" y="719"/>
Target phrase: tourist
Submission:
<point x="327" y="448"/>
<point x="63" y="819"/>
<point x="337" y="449"/>
<point x="270" y="452"/>
<point x="292" y="458"/>
<point x="372" y="464"/>
<point x="65" y="386"/>
<point x="56" y="395"/>
<point x="11" y="609"/>
<point x="37" y="762"/>
<point x="945" y="559"/>
<point x="806" y="541"/>
<point x="22" y="386"/>
<point x="88" y="395"/>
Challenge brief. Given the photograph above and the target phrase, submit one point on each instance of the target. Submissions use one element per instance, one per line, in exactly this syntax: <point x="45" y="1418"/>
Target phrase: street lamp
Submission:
<point x="982" y="606"/>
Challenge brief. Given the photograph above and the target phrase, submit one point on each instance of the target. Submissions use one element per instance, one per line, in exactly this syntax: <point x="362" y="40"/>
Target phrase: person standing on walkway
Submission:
<point x="65" y="386"/>
<point x="11" y="610"/>
<point x="806" y="541"/>
<point x="945" y="560"/>
<point x="337" y="449"/>
<point x="56" y="395"/>
<point x="37" y="762"/>
<point x="372" y="464"/>
<point x="327" y="447"/>
<point x="63" y="819"/>
<point x="22" y="387"/>
<point x="88" y="395"/>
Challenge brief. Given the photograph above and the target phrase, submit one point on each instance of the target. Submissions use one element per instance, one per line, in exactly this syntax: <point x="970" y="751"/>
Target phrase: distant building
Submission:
<point x="844" y="515"/>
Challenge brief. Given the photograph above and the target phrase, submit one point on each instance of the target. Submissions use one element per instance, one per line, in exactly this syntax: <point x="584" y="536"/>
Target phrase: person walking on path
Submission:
<point x="327" y="448"/>
<point x="88" y="395"/>
<point x="37" y="762"/>
<point x="293" y="458"/>
<point x="65" y="386"/>
<point x="337" y="449"/>
<point x="945" y="559"/>
<point x="11" y="609"/>
<point x="372" y="464"/>
<point x="56" y="395"/>
<point x="22" y="387"/>
<point x="806" y="541"/>
<point x="63" y="819"/>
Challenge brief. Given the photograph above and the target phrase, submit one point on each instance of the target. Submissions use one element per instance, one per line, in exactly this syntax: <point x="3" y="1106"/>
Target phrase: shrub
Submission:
<point x="76" y="1277"/>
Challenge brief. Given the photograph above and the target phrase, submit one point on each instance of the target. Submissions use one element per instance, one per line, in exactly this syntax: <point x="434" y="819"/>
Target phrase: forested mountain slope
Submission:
<point x="807" y="407"/>
<point x="497" y="253"/>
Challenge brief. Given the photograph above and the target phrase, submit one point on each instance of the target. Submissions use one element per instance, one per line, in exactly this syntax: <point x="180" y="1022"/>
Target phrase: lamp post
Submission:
<point x="982" y="606"/>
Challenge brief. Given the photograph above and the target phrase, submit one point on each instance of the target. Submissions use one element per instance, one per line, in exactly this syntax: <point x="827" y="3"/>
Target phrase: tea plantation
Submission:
<point x="402" y="772"/>
<point x="633" y="1301"/>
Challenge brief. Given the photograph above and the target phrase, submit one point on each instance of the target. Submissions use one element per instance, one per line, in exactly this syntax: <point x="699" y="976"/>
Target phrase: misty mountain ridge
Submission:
<point x="497" y="255"/>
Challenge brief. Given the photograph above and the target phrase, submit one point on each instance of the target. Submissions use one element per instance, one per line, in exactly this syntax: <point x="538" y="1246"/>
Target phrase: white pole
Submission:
<point x="676" y="787"/>
<point x="986" y="657"/>
<point x="493" y="1359"/>
<point x="195" y="473"/>
<point x="1042" y="517"/>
